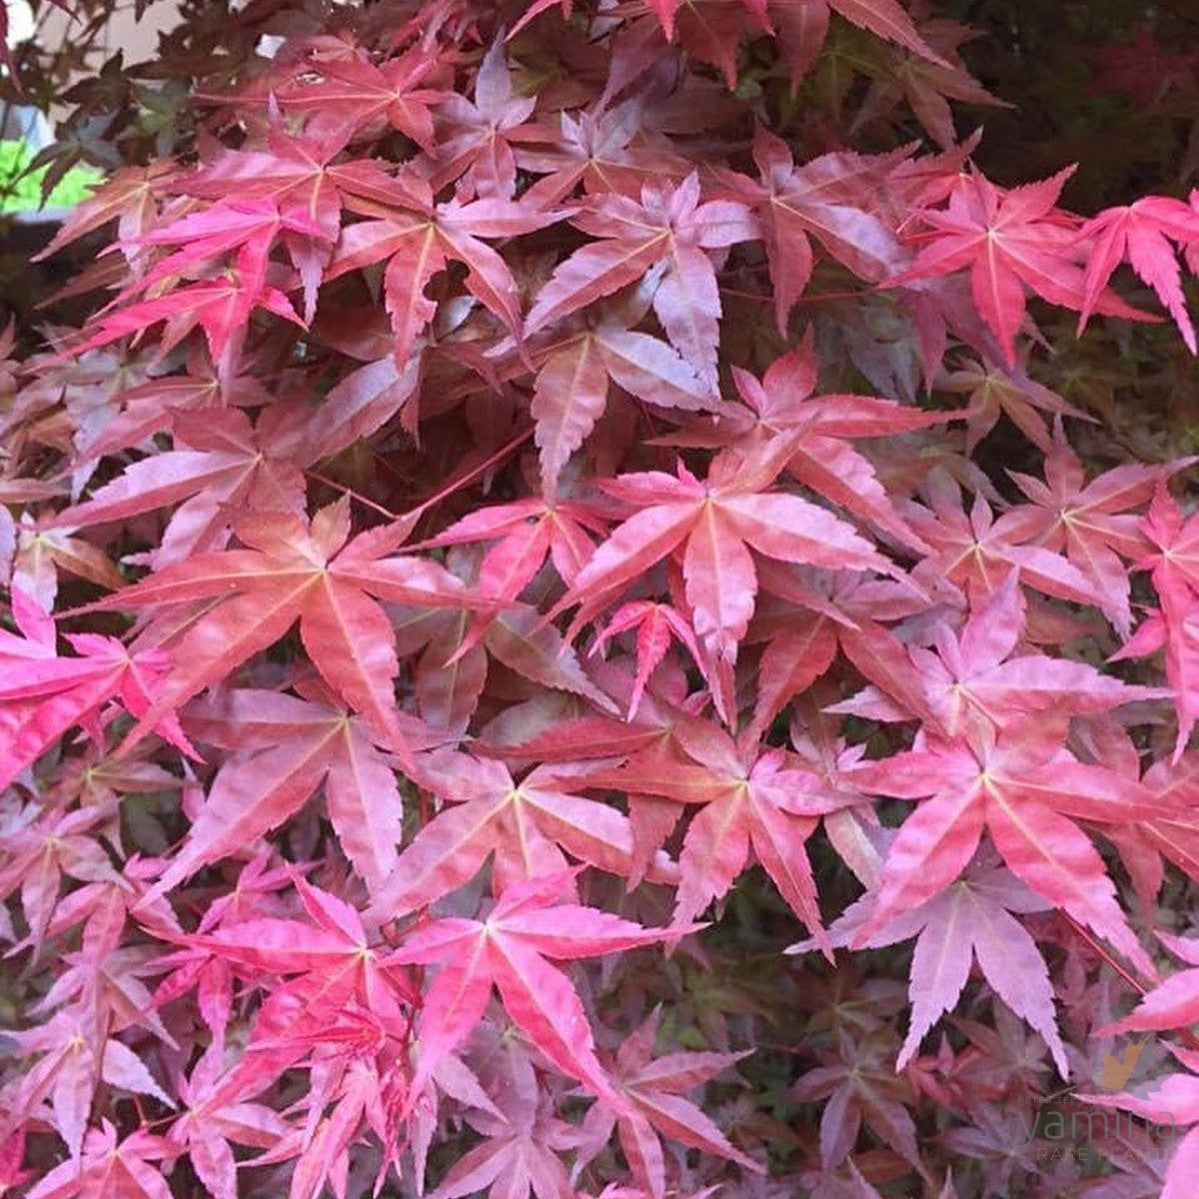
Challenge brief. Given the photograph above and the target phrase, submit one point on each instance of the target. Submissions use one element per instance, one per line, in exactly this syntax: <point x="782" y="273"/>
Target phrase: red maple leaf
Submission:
<point x="509" y="950"/>
<point x="314" y="573"/>
<point x="523" y="1137"/>
<point x="334" y="974"/>
<point x="526" y="825"/>
<point x="354" y="94"/>
<point x="128" y="1168"/>
<point x="1009" y="239"/>
<point x="418" y="238"/>
<point x="978" y="552"/>
<point x="973" y="919"/>
<point x="206" y="1129"/>
<point x="835" y="199"/>
<point x="716" y="522"/>
<point x="221" y="306"/>
<point x="750" y="802"/>
<point x="1029" y="793"/>
<point x="604" y="148"/>
<point x="656" y="1088"/>
<point x="221" y="465"/>
<point x="576" y="374"/>
<point x="283" y="749"/>
<point x="656" y="625"/>
<point x="819" y="430"/>
<point x="476" y="140"/>
<point x="858" y="1080"/>
<point x="976" y="675"/>
<point x="43" y="696"/>
<point x="1143" y="233"/>
<point x="668" y="225"/>
<point x="1091" y="521"/>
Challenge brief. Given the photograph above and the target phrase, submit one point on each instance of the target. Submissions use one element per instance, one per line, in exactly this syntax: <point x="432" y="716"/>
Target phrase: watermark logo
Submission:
<point x="1067" y="1126"/>
<point x="1114" y="1072"/>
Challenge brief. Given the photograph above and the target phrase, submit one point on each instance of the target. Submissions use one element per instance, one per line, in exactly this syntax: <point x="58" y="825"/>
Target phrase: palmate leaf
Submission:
<point x="528" y="826"/>
<point x="313" y="574"/>
<point x="478" y="138"/>
<point x="354" y="93"/>
<point x="715" y="524"/>
<point x="1143" y="232"/>
<point x="978" y="552"/>
<point x="221" y="464"/>
<point x="973" y="918"/>
<point x="509" y="949"/>
<point x="1028" y="793"/>
<point x="1091" y="521"/>
<point x="285" y="749"/>
<point x="112" y="1168"/>
<point x="831" y="199"/>
<point x="208" y="1129"/>
<point x="68" y="1074"/>
<point x="418" y="238"/>
<point x="42" y="695"/>
<point x="221" y="307"/>
<point x="976" y="679"/>
<point x="670" y="225"/>
<point x="657" y="1088"/>
<point x="1009" y="240"/>
<point x="748" y="804"/>
<point x="572" y="388"/>
<point x="657" y="625"/>
<point x="818" y="430"/>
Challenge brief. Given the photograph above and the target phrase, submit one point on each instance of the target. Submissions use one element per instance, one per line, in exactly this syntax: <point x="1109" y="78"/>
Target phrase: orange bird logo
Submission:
<point x="1114" y="1072"/>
